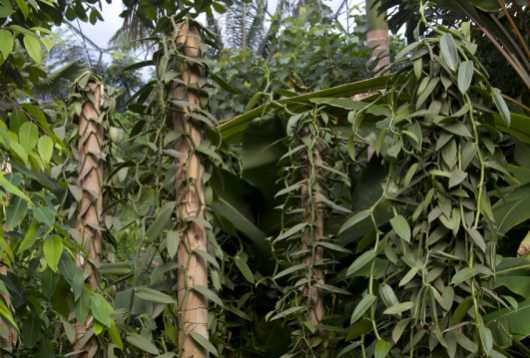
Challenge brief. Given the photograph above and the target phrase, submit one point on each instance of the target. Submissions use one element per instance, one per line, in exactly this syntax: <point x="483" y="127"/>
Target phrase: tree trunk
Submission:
<point x="192" y="268"/>
<point x="313" y="213"/>
<point x="89" y="217"/>
<point x="377" y="36"/>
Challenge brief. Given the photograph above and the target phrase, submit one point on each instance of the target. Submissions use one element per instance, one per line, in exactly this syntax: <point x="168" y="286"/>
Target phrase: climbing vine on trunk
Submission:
<point x="304" y="248"/>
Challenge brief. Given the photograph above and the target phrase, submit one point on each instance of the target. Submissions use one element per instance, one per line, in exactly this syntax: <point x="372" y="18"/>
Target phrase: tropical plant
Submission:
<point x="503" y="24"/>
<point x="248" y="204"/>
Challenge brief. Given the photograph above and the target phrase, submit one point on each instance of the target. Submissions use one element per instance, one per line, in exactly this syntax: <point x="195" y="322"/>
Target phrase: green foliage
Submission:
<point x="420" y="189"/>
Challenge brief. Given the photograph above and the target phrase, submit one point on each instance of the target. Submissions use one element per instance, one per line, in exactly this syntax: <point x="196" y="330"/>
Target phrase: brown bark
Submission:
<point x="192" y="269"/>
<point x="314" y="213"/>
<point x="89" y="217"/>
<point x="9" y="341"/>
<point x="378" y="41"/>
<point x="377" y="36"/>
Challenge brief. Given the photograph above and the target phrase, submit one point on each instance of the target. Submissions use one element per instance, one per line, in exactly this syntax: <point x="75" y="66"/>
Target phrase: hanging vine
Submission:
<point x="431" y="269"/>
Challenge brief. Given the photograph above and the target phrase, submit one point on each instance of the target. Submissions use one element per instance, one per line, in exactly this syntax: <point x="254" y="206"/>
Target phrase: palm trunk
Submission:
<point x="193" y="270"/>
<point x="89" y="219"/>
<point x="377" y="36"/>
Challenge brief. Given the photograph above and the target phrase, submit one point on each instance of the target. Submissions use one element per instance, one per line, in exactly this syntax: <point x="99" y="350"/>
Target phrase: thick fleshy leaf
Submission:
<point x="142" y="343"/>
<point x="465" y="75"/>
<point x="449" y="51"/>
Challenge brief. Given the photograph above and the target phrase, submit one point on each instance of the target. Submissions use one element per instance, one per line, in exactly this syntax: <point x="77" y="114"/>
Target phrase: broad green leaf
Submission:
<point x="332" y="289"/>
<point x="287" y="312"/>
<point x="209" y="294"/>
<point x="224" y="208"/>
<point x="501" y="105"/>
<point x="486" y="338"/>
<point x="6" y="313"/>
<point x="233" y="129"/>
<point x="28" y="135"/>
<point x="45" y="148"/>
<point x="465" y="75"/>
<point x="291" y="231"/>
<point x="399" y="328"/>
<point x="460" y="312"/>
<point x="97" y="328"/>
<point x="204" y="343"/>
<point x="16" y="212"/>
<point x="161" y="221"/>
<point x="290" y="270"/>
<point x="388" y="295"/>
<point x="409" y="276"/>
<point x="399" y="308"/>
<point x="486" y="5"/>
<point x="172" y="243"/>
<point x="73" y="274"/>
<point x="344" y="103"/>
<point x="466" y="343"/>
<point x="401" y="227"/>
<point x="44" y="215"/>
<point x="424" y="93"/>
<point x="6" y="9"/>
<point x="114" y="334"/>
<point x="23" y="7"/>
<point x="149" y="294"/>
<point x="29" y="238"/>
<point x="333" y="247"/>
<point x="512" y="209"/>
<point x="142" y="343"/>
<point x="514" y="320"/>
<point x="52" y="250"/>
<point x="382" y="348"/>
<point x="518" y="284"/>
<point x="448" y="51"/>
<point x="33" y="46"/>
<point x="6" y="43"/>
<point x="363" y="306"/>
<point x="101" y="309"/>
<point x="477" y="239"/>
<point x="355" y="219"/>
<point x="241" y="262"/>
<point x="463" y="275"/>
<point x="361" y="262"/>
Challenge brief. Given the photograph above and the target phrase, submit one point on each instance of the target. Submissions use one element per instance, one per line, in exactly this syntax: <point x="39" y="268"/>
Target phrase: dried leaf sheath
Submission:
<point x="193" y="271"/>
<point x="89" y="216"/>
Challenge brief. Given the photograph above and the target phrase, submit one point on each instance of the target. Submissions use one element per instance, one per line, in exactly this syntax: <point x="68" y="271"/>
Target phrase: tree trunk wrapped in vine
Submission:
<point x="300" y="247"/>
<point x="91" y="139"/>
<point x="192" y="268"/>
<point x="313" y="213"/>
